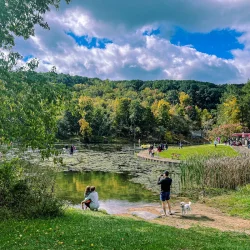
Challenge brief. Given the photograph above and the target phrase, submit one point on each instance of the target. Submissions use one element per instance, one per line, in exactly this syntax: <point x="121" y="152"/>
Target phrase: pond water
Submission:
<point x="116" y="192"/>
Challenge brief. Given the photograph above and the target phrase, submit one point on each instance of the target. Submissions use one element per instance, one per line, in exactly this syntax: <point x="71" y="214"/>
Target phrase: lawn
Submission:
<point x="210" y="149"/>
<point x="96" y="230"/>
<point x="237" y="203"/>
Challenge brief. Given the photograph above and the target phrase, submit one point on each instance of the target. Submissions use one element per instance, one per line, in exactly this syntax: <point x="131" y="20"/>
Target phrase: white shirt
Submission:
<point x="93" y="196"/>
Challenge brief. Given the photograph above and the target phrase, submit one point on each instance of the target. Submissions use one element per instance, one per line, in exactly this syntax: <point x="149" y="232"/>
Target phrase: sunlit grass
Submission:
<point x="236" y="203"/>
<point x="205" y="150"/>
<point x="95" y="230"/>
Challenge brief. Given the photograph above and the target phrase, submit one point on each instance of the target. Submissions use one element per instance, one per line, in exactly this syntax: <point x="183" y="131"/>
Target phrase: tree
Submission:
<point x="29" y="111"/>
<point x="135" y="116"/>
<point x="225" y="131"/>
<point x="161" y="112"/>
<point x="184" y="99"/>
<point x="121" y="120"/>
<point x="86" y="108"/>
<point x="85" y="129"/>
<point x="68" y="125"/>
<point x="229" y="109"/>
<point x="101" y="121"/>
<point x="245" y="104"/>
<point x="18" y="18"/>
<point x="148" y="122"/>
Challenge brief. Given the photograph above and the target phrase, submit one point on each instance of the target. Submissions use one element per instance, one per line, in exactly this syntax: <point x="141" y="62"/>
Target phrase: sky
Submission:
<point x="206" y="40"/>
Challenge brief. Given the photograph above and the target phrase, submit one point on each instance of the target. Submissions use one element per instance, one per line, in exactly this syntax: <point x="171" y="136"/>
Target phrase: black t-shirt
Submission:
<point x="165" y="184"/>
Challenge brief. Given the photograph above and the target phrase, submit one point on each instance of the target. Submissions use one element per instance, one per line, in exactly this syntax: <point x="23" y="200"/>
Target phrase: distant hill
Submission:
<point x="204" y="94"/>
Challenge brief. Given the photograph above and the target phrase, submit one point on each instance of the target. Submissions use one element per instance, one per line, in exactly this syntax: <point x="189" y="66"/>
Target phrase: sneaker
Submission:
<point x="170" y="213"/>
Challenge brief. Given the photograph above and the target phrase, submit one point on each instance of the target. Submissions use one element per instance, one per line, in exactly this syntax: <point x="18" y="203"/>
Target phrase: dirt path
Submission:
<point x="201" y="215"/>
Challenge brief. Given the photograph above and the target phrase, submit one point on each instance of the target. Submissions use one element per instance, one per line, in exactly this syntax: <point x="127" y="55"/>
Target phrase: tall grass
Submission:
<point x="201" y="172"/>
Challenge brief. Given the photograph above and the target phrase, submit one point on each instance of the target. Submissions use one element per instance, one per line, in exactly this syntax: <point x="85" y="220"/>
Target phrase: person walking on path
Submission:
<point x="165" y="183"/>
<point x="93" y="197"/>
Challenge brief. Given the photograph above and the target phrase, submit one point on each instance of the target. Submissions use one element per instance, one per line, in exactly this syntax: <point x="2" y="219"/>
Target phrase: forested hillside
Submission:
<point x="150" y="110"/>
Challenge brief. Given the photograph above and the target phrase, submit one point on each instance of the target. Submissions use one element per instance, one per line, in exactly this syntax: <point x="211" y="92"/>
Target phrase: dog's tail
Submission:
<point x="189" y="203"/>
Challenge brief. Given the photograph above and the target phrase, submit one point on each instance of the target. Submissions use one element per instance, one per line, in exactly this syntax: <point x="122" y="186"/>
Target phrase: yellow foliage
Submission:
<point x="231" y="109"/>
<point x="85" y="129"/>
<point x="172" y="110"/>
<point x="184" y="99"/>
<point x="159" y="106"/>
<point x="84" y="101"/>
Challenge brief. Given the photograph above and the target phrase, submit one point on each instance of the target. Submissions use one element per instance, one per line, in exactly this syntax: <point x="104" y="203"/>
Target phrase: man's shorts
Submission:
<point x="165" y="196"/>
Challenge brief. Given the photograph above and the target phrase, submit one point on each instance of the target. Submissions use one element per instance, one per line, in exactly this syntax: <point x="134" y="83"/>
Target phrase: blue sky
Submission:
<point x="89" y="42"/>
<point x="148" y="40"/>
<point x="216" y="42"/>
<point x="27" y="58"/>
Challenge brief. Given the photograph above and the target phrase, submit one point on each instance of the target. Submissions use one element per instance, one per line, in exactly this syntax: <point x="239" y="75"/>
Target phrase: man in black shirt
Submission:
<point x="165" y="183"/>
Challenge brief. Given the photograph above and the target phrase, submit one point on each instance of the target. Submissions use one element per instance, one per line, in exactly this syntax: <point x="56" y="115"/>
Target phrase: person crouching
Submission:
<point x="93" y="198"/>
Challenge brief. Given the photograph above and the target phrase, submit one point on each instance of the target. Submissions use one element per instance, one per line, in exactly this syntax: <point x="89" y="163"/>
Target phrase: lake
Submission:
<point x="110" y="168"/>
<point x="116" y="192"/>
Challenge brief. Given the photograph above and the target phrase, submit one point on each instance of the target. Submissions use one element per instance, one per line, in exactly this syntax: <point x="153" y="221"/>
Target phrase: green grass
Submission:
<point x="187" y="151"/>
<point x="96" y="230"/>
<point x="236" y="203"/>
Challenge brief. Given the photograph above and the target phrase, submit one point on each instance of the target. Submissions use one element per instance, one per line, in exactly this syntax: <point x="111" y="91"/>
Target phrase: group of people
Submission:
<point x="160" y="148"/>
<point x="91" y="199"/>
<point x="235" y="142"/>
<point x="71" y="150"/>
<point x="232" y="142"/>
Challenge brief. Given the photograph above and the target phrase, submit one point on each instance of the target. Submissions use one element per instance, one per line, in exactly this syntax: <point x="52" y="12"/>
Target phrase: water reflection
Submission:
<point x="115" y="190"/>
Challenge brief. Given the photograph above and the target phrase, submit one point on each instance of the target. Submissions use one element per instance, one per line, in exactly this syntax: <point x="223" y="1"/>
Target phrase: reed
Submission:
<point x="215" y="172"/>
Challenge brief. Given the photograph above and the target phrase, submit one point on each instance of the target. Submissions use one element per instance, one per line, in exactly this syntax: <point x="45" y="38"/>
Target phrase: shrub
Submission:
<point x="27" y="190"/>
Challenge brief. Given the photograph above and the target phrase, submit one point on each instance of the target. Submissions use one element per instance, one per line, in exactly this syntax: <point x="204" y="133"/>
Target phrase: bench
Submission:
<point x="175" y="156"/>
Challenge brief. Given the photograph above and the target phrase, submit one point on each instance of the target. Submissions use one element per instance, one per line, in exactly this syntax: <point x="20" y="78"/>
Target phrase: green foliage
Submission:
<point x="29" y="111"/>
<point x="102" y="105"/>
<point x="236" y="203"/>
<point x="245" y="104"/>
<point x="27" y="191"/>
<point x="68" y="125"/>
<point x="18" y="18"/>
<point x="88" y="230"/>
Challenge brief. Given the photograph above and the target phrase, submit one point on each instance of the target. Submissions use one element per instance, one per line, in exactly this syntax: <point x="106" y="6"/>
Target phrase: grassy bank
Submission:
<point x="235" y="203"/>
<point x="95" y="230"/>
<point x="204" y="150"/>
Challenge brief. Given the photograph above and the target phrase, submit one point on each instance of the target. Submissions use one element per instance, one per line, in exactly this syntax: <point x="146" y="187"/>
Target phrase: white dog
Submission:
<point x="185" y="208"/>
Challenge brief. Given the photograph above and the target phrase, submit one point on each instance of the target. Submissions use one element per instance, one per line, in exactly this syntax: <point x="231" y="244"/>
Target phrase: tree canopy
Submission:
<point x="18" y="18"/>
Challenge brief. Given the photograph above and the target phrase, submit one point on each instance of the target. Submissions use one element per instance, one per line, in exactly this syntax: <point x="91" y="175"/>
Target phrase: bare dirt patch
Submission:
<point x="201" y="215"/>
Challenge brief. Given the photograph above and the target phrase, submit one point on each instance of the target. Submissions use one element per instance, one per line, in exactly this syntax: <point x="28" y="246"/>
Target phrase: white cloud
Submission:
<point x="135" y="56"/>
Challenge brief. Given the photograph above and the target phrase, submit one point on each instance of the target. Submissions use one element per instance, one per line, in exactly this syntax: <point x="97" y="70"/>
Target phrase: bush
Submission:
<point x="27" y="190"/>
